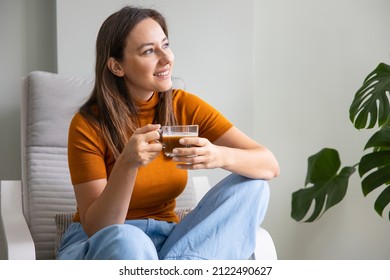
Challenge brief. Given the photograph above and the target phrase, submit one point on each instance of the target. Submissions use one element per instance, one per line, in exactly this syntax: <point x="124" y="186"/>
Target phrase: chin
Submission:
<point x="167" y="86"/>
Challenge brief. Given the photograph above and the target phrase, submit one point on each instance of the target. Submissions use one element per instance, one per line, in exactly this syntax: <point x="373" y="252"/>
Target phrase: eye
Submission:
<point x="166" y="46"/>
<point x="148" y="51"/>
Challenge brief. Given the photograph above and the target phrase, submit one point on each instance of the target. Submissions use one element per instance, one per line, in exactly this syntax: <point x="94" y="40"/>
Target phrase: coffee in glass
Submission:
<point x="171" y="136"/>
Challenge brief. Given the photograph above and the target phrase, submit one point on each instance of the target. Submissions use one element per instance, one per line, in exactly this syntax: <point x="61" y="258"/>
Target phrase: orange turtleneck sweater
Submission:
<point x="160" y="182"/>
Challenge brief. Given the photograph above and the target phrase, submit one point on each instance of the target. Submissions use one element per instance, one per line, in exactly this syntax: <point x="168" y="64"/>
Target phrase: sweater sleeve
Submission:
<point x="86" y="152"/>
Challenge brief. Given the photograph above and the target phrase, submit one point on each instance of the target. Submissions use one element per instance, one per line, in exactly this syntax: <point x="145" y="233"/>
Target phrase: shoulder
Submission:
<point x="78" y="118"/>
<point x="184" y="98"/>
<point x="81" y="129"/>
<point x="182" y="94"/>
<point x="80" y="122"/>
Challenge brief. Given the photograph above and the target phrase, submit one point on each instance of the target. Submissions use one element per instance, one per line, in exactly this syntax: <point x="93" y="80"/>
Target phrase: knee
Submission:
<point x="250" y="187"/>
<point x="242" y="190"/>
<point x="262" y="187"/>
<point x="257" y="189"/>
<point x="251" y="196"/>
<point x="255" y="194"/>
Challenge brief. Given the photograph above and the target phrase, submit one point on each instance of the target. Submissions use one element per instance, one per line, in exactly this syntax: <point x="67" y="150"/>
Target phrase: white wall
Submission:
<point x="311" y="56"/>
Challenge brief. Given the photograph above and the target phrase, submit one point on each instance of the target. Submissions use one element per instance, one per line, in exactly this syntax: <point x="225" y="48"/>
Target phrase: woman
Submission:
<point x="126" y="187"/>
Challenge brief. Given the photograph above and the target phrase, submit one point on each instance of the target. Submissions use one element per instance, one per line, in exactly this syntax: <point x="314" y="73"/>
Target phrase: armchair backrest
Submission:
<point x="48" y="105"/>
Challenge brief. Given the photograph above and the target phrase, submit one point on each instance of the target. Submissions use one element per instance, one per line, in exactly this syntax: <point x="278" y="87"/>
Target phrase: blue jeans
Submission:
<point x="222" y="226"/>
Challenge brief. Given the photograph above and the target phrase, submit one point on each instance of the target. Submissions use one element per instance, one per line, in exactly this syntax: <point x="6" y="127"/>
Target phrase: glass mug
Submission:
<point x="170" y="136"/>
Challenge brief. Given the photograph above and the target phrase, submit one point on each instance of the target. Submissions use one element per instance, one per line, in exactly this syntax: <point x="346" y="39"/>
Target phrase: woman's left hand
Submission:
<point x="202" y="155"/>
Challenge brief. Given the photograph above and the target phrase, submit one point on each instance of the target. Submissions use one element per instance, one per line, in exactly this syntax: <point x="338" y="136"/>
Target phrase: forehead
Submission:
<point x="146" y="31"/>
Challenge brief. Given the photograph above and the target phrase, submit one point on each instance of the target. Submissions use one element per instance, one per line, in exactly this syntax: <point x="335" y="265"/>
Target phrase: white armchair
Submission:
<point x="30" y="207"/>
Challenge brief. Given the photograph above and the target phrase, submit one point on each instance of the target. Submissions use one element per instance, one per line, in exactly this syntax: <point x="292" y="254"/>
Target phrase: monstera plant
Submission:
<point x="326" y="181"/>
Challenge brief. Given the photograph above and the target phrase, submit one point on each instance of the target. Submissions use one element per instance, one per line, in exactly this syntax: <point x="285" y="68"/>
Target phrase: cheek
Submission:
<point x="139" y="70"/>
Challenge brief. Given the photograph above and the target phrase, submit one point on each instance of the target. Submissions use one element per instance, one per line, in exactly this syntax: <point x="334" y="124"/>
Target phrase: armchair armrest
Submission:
<point x="265" y="247"/>
<point x="201" y="186"/>
<point x="17" y="237"/>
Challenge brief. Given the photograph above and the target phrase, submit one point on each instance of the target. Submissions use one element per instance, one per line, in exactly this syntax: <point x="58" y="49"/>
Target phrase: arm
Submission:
<point x="105" y="202"/>
<point x="233" y="151"/>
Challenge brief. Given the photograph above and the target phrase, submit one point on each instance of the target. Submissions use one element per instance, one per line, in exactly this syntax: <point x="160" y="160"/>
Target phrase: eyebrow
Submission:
<point x="150" y="44"/>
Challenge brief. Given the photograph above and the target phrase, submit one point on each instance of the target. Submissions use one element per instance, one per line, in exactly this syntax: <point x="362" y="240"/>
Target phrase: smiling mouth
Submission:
<point x="162" y="74"/>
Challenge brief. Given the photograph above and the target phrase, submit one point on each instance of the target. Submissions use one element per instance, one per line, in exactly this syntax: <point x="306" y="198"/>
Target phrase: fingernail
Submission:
<point x="174" y="151"/>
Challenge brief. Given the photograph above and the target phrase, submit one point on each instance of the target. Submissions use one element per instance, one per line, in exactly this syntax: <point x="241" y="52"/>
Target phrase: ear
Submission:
<point x="115" y="67"/>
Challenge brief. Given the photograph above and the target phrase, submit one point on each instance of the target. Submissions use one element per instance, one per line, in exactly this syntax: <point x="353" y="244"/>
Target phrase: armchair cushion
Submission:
<point x="63" y="220"/>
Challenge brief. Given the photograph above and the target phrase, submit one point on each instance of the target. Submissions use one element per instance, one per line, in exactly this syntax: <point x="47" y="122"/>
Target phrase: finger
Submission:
<point x="192" y="159"/>
<point x="196" y="141"/>
<point x="152" y="136"/>
<point x="147" y="128"/>
<point x="189" y="151"/>
<point x="154" y="147"/>
<point x="189" y="166"/>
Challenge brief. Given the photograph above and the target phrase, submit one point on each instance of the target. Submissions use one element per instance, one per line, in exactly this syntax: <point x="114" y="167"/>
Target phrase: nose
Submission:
<point x="166" y="57"/>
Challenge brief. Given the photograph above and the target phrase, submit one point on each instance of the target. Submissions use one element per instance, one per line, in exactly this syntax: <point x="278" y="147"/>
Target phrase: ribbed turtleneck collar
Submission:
<point x="146" y="109"/>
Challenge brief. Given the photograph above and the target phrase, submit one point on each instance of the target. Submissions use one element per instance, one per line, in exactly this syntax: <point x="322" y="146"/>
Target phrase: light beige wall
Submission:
<point x="310" y="58"/>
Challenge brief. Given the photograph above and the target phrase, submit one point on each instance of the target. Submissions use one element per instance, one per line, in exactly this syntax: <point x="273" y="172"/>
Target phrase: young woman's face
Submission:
<point x="148" y="60"/>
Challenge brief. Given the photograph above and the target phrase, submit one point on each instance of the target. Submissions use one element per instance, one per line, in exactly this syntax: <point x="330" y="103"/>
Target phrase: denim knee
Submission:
<point x="257" y="187"/>
<point x="261" y="188"/>
<point x="243" y="187"/>
<point x="255" y="192"/>
<point x="251" y="196"/>
<point x="121" y="242"/>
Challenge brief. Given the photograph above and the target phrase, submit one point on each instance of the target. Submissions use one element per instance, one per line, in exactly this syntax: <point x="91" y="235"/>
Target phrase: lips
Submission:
<point x="161" y="74"/>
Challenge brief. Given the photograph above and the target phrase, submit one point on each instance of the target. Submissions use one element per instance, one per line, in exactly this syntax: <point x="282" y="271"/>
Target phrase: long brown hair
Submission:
<point x="110" y="107"/>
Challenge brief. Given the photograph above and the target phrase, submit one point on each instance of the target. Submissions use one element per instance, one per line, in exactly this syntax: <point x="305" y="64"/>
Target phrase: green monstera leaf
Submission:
<point x="371" y="103"/>
<point x="375" y="168"/>
<point x="328" y="187"/>
<point x="370" y="107"/>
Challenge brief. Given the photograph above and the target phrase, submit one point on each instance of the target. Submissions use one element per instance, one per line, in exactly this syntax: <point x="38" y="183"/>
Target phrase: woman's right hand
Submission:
<point x="142" y="147"/>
